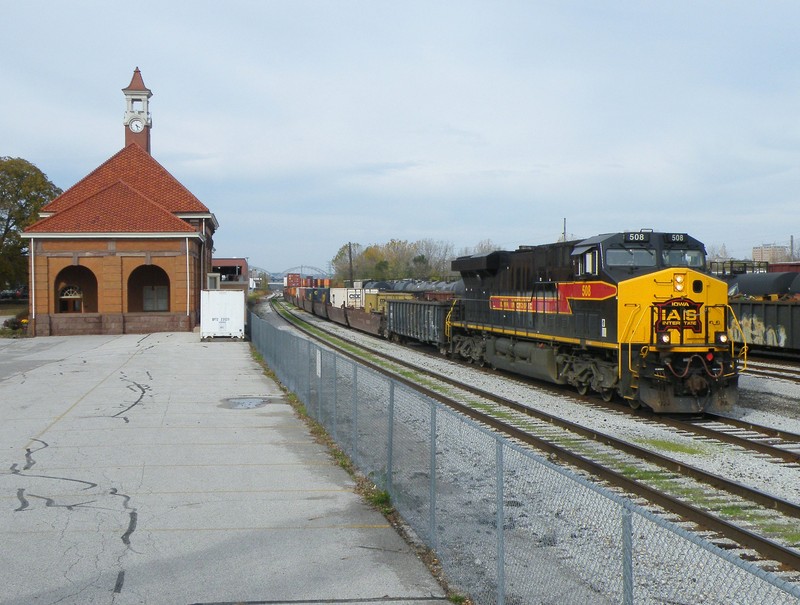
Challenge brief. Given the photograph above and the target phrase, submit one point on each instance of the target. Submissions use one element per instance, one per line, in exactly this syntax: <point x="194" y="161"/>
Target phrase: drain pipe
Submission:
<point x="203" y="270"/>
<point x="188" y="280"/>
<point x="32" y="288"/>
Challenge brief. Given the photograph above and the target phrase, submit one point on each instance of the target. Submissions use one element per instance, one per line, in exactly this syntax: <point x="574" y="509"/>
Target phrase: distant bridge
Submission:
<point x="304" y="270"/>
<point x="275" y="280"/>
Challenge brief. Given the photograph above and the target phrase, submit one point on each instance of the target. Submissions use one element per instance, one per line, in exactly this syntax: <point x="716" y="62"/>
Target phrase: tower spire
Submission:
<point x="137" y="118"/>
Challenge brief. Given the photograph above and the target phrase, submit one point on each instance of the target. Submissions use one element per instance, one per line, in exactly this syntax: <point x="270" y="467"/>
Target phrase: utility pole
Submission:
<point x="350" y="254"/>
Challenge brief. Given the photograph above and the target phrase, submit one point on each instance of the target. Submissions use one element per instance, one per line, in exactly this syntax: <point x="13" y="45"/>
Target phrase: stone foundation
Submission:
<point x="76" y="324"/>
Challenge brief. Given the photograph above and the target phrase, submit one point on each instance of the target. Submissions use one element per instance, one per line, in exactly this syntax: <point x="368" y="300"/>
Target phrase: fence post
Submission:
<point x="318" y="369"/>
<point x="501" y="546"/>
<point x="390" y="440"/>
<point x="335" y="379"/>
<point x="432" y="484"/>
<point x="627" y="556"/>
<point x="307" y="365"/>
<point x="354" y="414"/>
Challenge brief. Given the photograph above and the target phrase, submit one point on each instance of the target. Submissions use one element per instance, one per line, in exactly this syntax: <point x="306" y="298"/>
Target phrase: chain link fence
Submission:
<point x="508" y="526"/>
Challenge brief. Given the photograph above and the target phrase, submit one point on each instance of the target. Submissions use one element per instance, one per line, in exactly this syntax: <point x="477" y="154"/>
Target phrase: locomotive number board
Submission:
<point x="643" y="237"/>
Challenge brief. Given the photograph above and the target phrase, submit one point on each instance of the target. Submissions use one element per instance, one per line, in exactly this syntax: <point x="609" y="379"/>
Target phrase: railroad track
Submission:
<point x="785" y="371"/>
<point x="782" y="447"/>
<point x="746" y="516"/>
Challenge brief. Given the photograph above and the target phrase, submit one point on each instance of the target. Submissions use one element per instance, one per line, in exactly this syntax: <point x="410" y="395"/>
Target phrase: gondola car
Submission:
<point x="768" y="308"/>
<point x="632" y="314"/>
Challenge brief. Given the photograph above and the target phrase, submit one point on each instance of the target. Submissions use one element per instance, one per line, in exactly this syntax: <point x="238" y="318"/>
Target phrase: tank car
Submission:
<point x="632" y="314"/>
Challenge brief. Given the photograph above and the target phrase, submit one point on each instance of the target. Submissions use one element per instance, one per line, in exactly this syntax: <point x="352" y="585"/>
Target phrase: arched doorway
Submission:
<point x="76" y="290"/>
<point x="148" y="289"/>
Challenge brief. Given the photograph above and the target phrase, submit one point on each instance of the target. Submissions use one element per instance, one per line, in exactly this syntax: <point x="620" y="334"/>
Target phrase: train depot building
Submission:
<point x="127" y="249"/>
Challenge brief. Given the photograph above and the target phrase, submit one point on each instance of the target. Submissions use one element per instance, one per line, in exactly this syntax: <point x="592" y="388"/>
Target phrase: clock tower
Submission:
<point x="137" y="119"/>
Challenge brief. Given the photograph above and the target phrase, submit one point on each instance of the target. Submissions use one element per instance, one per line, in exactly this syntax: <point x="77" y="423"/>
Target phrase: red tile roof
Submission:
<point x="134" y="166"/>
<point x="119" y="208"/>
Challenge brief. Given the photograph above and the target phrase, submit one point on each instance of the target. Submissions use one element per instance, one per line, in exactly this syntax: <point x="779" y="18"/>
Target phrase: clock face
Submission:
<point x="136" y="125"/>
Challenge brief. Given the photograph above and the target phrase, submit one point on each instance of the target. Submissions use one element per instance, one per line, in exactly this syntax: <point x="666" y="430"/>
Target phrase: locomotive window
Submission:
<point x="676" y="257"/>
<point x="587" y="263"/>
<point x="630" y="257"/>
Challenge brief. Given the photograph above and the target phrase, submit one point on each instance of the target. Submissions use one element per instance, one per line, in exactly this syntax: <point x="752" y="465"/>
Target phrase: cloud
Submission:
<point x="304" y="125"/>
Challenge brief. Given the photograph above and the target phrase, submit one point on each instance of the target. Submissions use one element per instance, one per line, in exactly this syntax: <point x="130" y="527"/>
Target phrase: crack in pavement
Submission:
<point x="132" y="386"/>
<point x="26" y="499"/>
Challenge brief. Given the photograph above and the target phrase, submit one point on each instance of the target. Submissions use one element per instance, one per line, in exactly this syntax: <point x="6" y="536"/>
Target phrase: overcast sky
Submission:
<point x="306" y="125"/>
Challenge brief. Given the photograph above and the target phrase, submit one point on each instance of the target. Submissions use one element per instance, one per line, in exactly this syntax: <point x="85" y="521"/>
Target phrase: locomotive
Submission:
<point x="632" y="314"/>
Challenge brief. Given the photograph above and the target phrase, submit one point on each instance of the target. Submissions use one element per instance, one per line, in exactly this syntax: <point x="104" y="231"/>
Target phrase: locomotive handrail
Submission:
<point x="628" y="339"/>
<point x="448" y="323"/>
<point x="637" y="309"/>
<point x="743" y="352"/>
<point x="731" y="345"/>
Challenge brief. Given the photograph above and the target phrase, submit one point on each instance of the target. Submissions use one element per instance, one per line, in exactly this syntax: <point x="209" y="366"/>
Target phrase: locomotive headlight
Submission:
<point x="721" y="338"/>
<point x="679" y="283"/>
<point x="664" y="338"/>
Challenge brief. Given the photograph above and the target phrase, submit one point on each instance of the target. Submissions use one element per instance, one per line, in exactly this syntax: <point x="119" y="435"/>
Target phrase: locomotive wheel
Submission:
<point x="582" y="388"/>
<point x="635" y="404"/>
<point x="607" y="394"/>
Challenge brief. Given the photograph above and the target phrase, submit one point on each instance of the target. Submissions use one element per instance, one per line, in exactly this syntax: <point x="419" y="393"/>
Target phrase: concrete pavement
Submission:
<point x="128" y="476"/>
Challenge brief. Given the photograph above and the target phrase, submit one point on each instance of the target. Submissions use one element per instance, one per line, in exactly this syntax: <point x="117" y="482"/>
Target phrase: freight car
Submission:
<point x="632" y="314"/>
<point x="768" y="308"/>
<point x="363" y="308"/>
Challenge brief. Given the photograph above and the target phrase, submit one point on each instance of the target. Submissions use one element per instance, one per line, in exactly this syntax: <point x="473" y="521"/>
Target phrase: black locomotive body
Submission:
<point x="633" y="314"/>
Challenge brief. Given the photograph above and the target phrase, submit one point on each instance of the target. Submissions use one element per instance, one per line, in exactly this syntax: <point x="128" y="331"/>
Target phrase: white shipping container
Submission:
<point x="338" y="297"/>
<point x="222" y="314"/>
<point x="352" y="298"/>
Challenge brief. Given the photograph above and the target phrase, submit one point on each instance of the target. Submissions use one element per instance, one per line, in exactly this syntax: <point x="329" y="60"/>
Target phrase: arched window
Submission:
<point x="70" y="299"/>
<point x="75" y="290"/>
<point x="148" y="289"/>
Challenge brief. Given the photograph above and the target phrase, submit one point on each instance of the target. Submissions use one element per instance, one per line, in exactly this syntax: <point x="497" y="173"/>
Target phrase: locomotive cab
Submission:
<point x="619" y="256"/>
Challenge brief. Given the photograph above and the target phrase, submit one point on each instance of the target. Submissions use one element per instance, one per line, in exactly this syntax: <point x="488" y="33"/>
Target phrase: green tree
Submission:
<point x="24" y="190"/>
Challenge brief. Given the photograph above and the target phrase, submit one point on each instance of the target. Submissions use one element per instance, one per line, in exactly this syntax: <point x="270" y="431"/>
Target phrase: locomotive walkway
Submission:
<point x="128" y="475"/>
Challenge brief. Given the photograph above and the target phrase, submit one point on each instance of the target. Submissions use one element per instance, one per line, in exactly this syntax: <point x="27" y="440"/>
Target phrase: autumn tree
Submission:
<point x="347" y="264"/>
<point x="24" y="190"/>
<point x="397" y="259"/>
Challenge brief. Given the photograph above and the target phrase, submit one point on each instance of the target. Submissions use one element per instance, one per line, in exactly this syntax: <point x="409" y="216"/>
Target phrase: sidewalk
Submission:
<point x="127" y="477"/>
